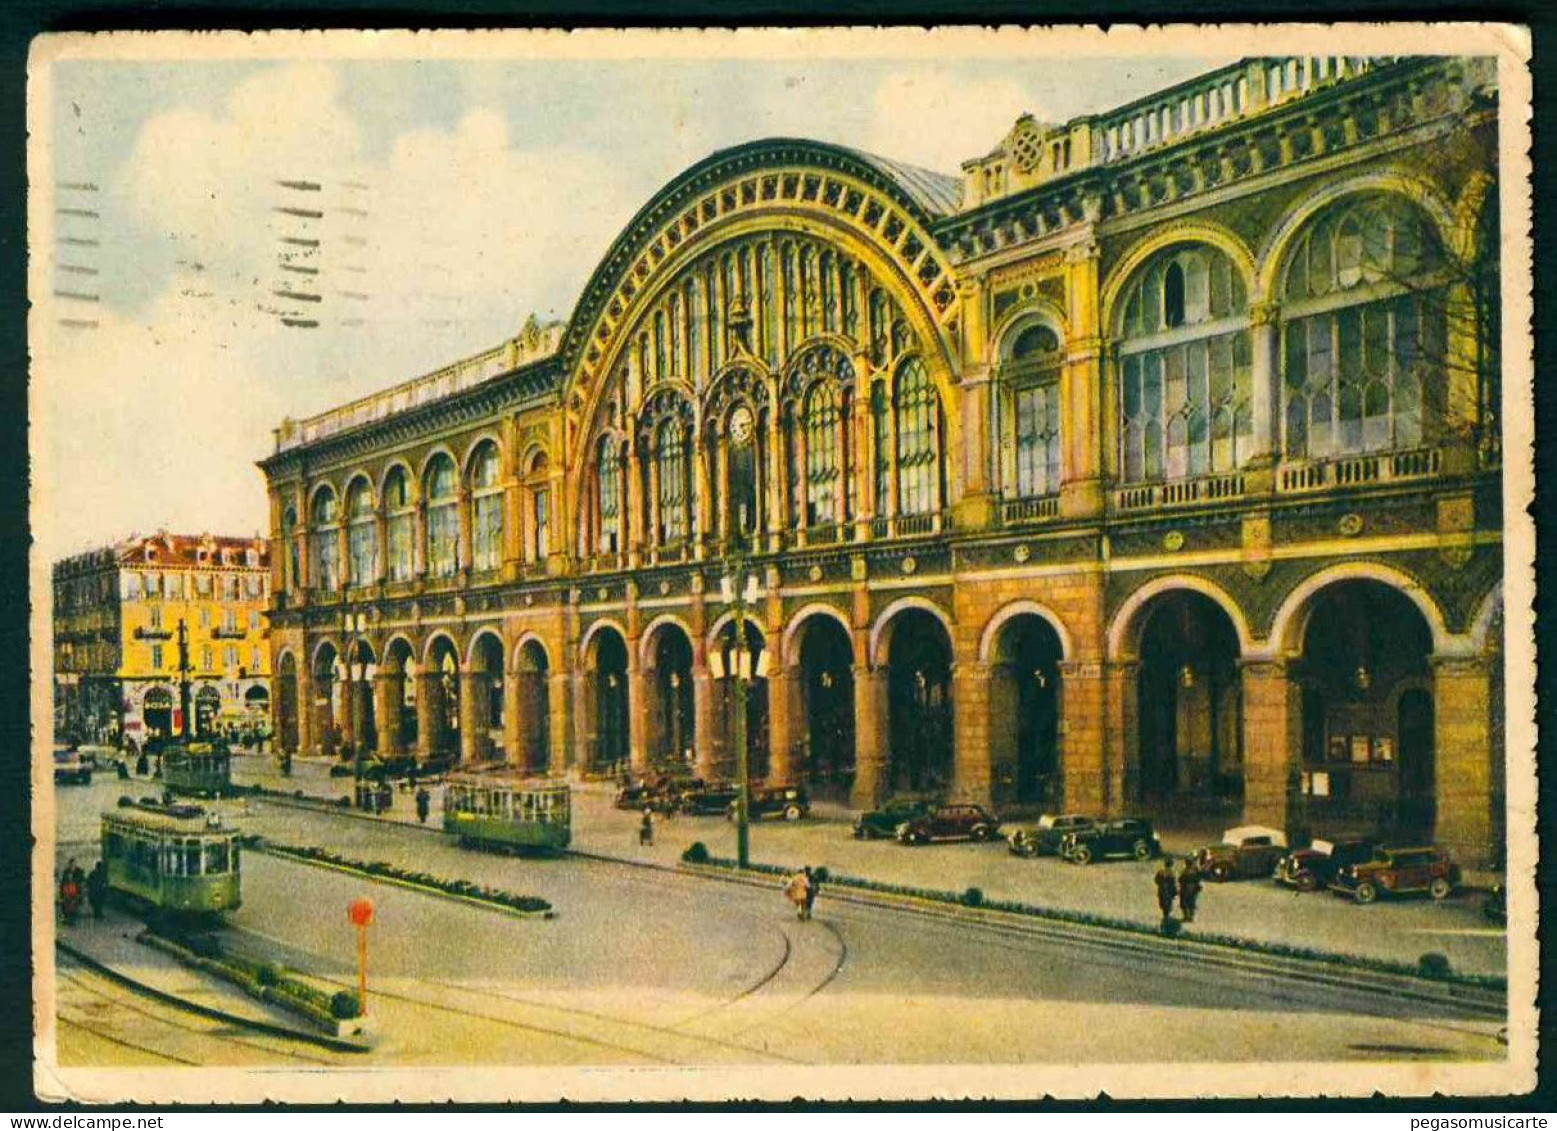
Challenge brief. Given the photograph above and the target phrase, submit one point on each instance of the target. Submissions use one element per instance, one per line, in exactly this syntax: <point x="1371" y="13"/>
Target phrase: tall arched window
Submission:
<point x="880" y="327"/>
<point x="823" y="462"/>
<point x="696" y="370"/>
<point x="609" y="463"/>
<point x="881" y="438"/>
<point x="670" y="453"/>
<point x="1030" y="407"/>
<point x="289" y="540"/>
<point x="770" y="289"/>
<point x="1184" y="368"/>
<point x="1363" y="331"/>
<point x="400" y="514"/>
<point x="792" y="333"/>
<point x="486" y="508"/>
<point x="325" y="541"/>
<point x="443" y="522"/>
<point x="539" y="491"/>
<point x="362" y="533"/>
<point x="918" y="440"/>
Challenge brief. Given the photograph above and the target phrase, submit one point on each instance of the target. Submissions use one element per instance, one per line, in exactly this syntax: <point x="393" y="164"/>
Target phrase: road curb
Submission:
<point x="329" y="808"/>
<point x="270" y="1028"/>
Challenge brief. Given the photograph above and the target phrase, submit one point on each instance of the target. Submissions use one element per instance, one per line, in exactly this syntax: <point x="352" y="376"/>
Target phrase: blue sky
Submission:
<point x="465" y="196"/>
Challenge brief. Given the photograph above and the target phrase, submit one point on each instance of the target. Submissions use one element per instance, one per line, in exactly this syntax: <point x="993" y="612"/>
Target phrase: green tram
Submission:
<point x="513" y="814"/>
<point x="200" y="769"/>
<point x="171" y="859"/>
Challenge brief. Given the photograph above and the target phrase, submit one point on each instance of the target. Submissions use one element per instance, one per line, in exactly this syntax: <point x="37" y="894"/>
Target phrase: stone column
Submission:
<point x="428" y="714"/>
<point x="380" y="546"/>
<point x="1464" y="758"/>
<point x="703" y="691"/>
<point x="1121" y="736"/>
<point x="388" y="694"/>
<point x="638" y="707"/>
<point x="516" y="750"/>
<point x="632" y="522"/>
<point x="559" y="718"/>
<point x="1264" y="382"/>
<point x="305" y="710"/>
<point x="1272" y="746"/>
<point x="472" y="717"/>
<point x="870" y="736"/>
<point x="348" y="719"/>
<point x="419" y="566"/>
<point x="775" y="472"/>
<point x="585" y="722"/>
<point x="702" y="509"/>
<point x="972" y="768"/>
<point x="781" y="752"/>
<point x="462" y="543"/>
<point x="1081" y="736"/>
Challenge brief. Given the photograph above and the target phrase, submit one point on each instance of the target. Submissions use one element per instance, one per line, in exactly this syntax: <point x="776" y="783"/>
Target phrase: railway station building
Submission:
<point x="1150" y="464"/>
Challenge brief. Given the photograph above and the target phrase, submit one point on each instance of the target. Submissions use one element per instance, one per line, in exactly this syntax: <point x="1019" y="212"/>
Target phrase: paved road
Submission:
<point x="647" y="967"/>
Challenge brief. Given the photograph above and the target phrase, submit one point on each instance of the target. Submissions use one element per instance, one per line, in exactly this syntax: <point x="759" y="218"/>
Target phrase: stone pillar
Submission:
<point x="702" y="509"/>
<point x="472" y="717"/>
<point x="1264" y="382"/>
<point x="559" y="718"/>
<point x="1272" y="746"/>
<point x="1464" y="758"/>
<point x="703" y="691"/>
<point x="1121" y="736"/>
<point x="516" y="733"/>
<point x="380" y="546"/>
<point x="581" y="751"/>
<point x="972" y="768"/>
<point x="870" y="737"/>
<point x="348" y="719"/>
<point x="632" y="522"/>
<point x="775" y="473"/>
<point x="388" y="694"/>
<point x="305" y="710"/>
<point x="462" y="543"/>
<point x="419" y="566"/>
<point x="1081" y="736"/>
<point x="781" y="745"/>
<point x="638" y="707"/>
<point x="428" y="714"/>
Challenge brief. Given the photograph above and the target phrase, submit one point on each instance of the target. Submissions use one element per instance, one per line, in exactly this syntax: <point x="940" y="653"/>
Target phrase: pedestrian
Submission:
<point x="141" y="764"/>
<point x="646" y="827"/>
<point x="1189" y="889"/>
<point x="97" y="888"/>
<point x="813" y="888"/>
<point x="1167" y="888"/>
<point x="797" y="891"/>
<point x="423" y="804"/>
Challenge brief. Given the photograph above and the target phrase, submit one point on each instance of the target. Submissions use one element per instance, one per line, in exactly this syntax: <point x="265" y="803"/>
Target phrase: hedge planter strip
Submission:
<point x="265" y="981"/>
<point x="1431" y="969"/>
<point x="462" y="891"/>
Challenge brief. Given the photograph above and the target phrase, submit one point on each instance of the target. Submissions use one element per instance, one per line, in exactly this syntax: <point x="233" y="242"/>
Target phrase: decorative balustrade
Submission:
<point x="1180" y="492"/>
<point x="916" y="525"/>
<point x="1030" y="510"/>
<point x="824" y="534"/>
<point x="1360" y="471"/>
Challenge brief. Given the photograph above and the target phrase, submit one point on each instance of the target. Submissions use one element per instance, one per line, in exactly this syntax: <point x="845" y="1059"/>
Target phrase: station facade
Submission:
<point x="1151" y="465"/>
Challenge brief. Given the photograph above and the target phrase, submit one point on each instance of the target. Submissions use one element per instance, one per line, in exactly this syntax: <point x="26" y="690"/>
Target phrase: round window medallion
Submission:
<point x="909" y="565"/>
<point x="603" y="594"/>
<point x="1350" y="525"/>
<point x="814" y="573"/>
<point x="1022" y="552"/>
<point x="1173" y="540"/>
<point x="529" y="598"/>
<point x="664" y="588"/>
<point x="741" y="425"/>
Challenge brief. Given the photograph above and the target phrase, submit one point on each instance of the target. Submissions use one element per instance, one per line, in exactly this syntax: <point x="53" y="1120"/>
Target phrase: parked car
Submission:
<point x="787" y="801"/>
<point x="634" y="795"/>
<point x="98" y="757"/>
<point x="1398" y="871"/>
<point x="949" y="822"/>
<point x="1248" y="850"/>
<point x="70" y="769"/>
<point x="705" y="798"/>
<point x="1128" y="836"/>
<point x="1045" y="838"/>
<point x="1312" y="868"/>
<point x="879" y="824"/>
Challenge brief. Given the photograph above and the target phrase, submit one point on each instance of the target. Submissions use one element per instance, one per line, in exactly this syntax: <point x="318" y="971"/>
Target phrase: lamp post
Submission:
<point x="738" y="588"/>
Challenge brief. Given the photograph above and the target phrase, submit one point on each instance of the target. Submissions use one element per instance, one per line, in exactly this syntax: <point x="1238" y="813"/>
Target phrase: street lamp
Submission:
<point x="739" y="587"/>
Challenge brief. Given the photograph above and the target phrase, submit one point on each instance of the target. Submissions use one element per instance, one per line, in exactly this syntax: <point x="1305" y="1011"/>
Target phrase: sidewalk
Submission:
<point x="1399" y="931"/>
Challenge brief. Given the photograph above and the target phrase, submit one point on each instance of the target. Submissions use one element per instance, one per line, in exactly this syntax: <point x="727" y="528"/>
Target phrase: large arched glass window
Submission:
<point x="362" y="533"/>
<point x="486" y="508"/>
<point x="400" y="514"/>
<point x="325" y="539"/>
<point x="1184" y="366"/>
<point x="289" y="539"/>
<point x="609" y="463"/>
<point x="443" y="521"/>
<point x="918" y="440"/>
<point x="881" y="438"/>
<point x="1030" y="407"/>
<point x="670" y="453"/>
<point x="823" y="462"/>
<point x="1362" y="330"/>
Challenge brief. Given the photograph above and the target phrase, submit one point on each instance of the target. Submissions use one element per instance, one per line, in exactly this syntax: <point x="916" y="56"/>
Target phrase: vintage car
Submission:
<point x="882" y="823"/>
<point x="949" y="822"/>
<point x="1045" y="838"/>
<point x="1129" y="836"/>
<point x="1398" y="871"/>
<point x="787" y="801"/>
<point x="634" y="795"/>
<point x="1312" y="868"/>
<point x="705" y="799"/>
<point x="1248" y="850"/>
<point x="69" y="768"/>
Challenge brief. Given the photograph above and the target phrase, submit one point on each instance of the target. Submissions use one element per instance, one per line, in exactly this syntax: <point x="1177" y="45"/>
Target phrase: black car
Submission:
<point x="1048" y="835"/>
<point x="705" y="799"/>
<point x="949" y="822"/>
<point x="1129" y="836"/>
<point x="881" y="824"/>
<point x="787" y="801"/>
<point x="1312" y="868"/>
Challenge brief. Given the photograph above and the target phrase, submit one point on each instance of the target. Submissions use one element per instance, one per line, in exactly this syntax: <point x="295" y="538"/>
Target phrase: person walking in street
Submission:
<point x="813" y="888"/>
<point x="97" y="888"/>
<point x="646" y="827"/>
<point x="798" y="891"/>
<point x="1189" y="889"/>
<point x="423" y="805"/>
<point x="1167" y="888"/>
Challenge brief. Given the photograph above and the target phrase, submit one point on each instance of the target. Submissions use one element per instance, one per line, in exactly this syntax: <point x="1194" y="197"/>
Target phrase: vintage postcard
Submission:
<point x="857" y="563"/>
